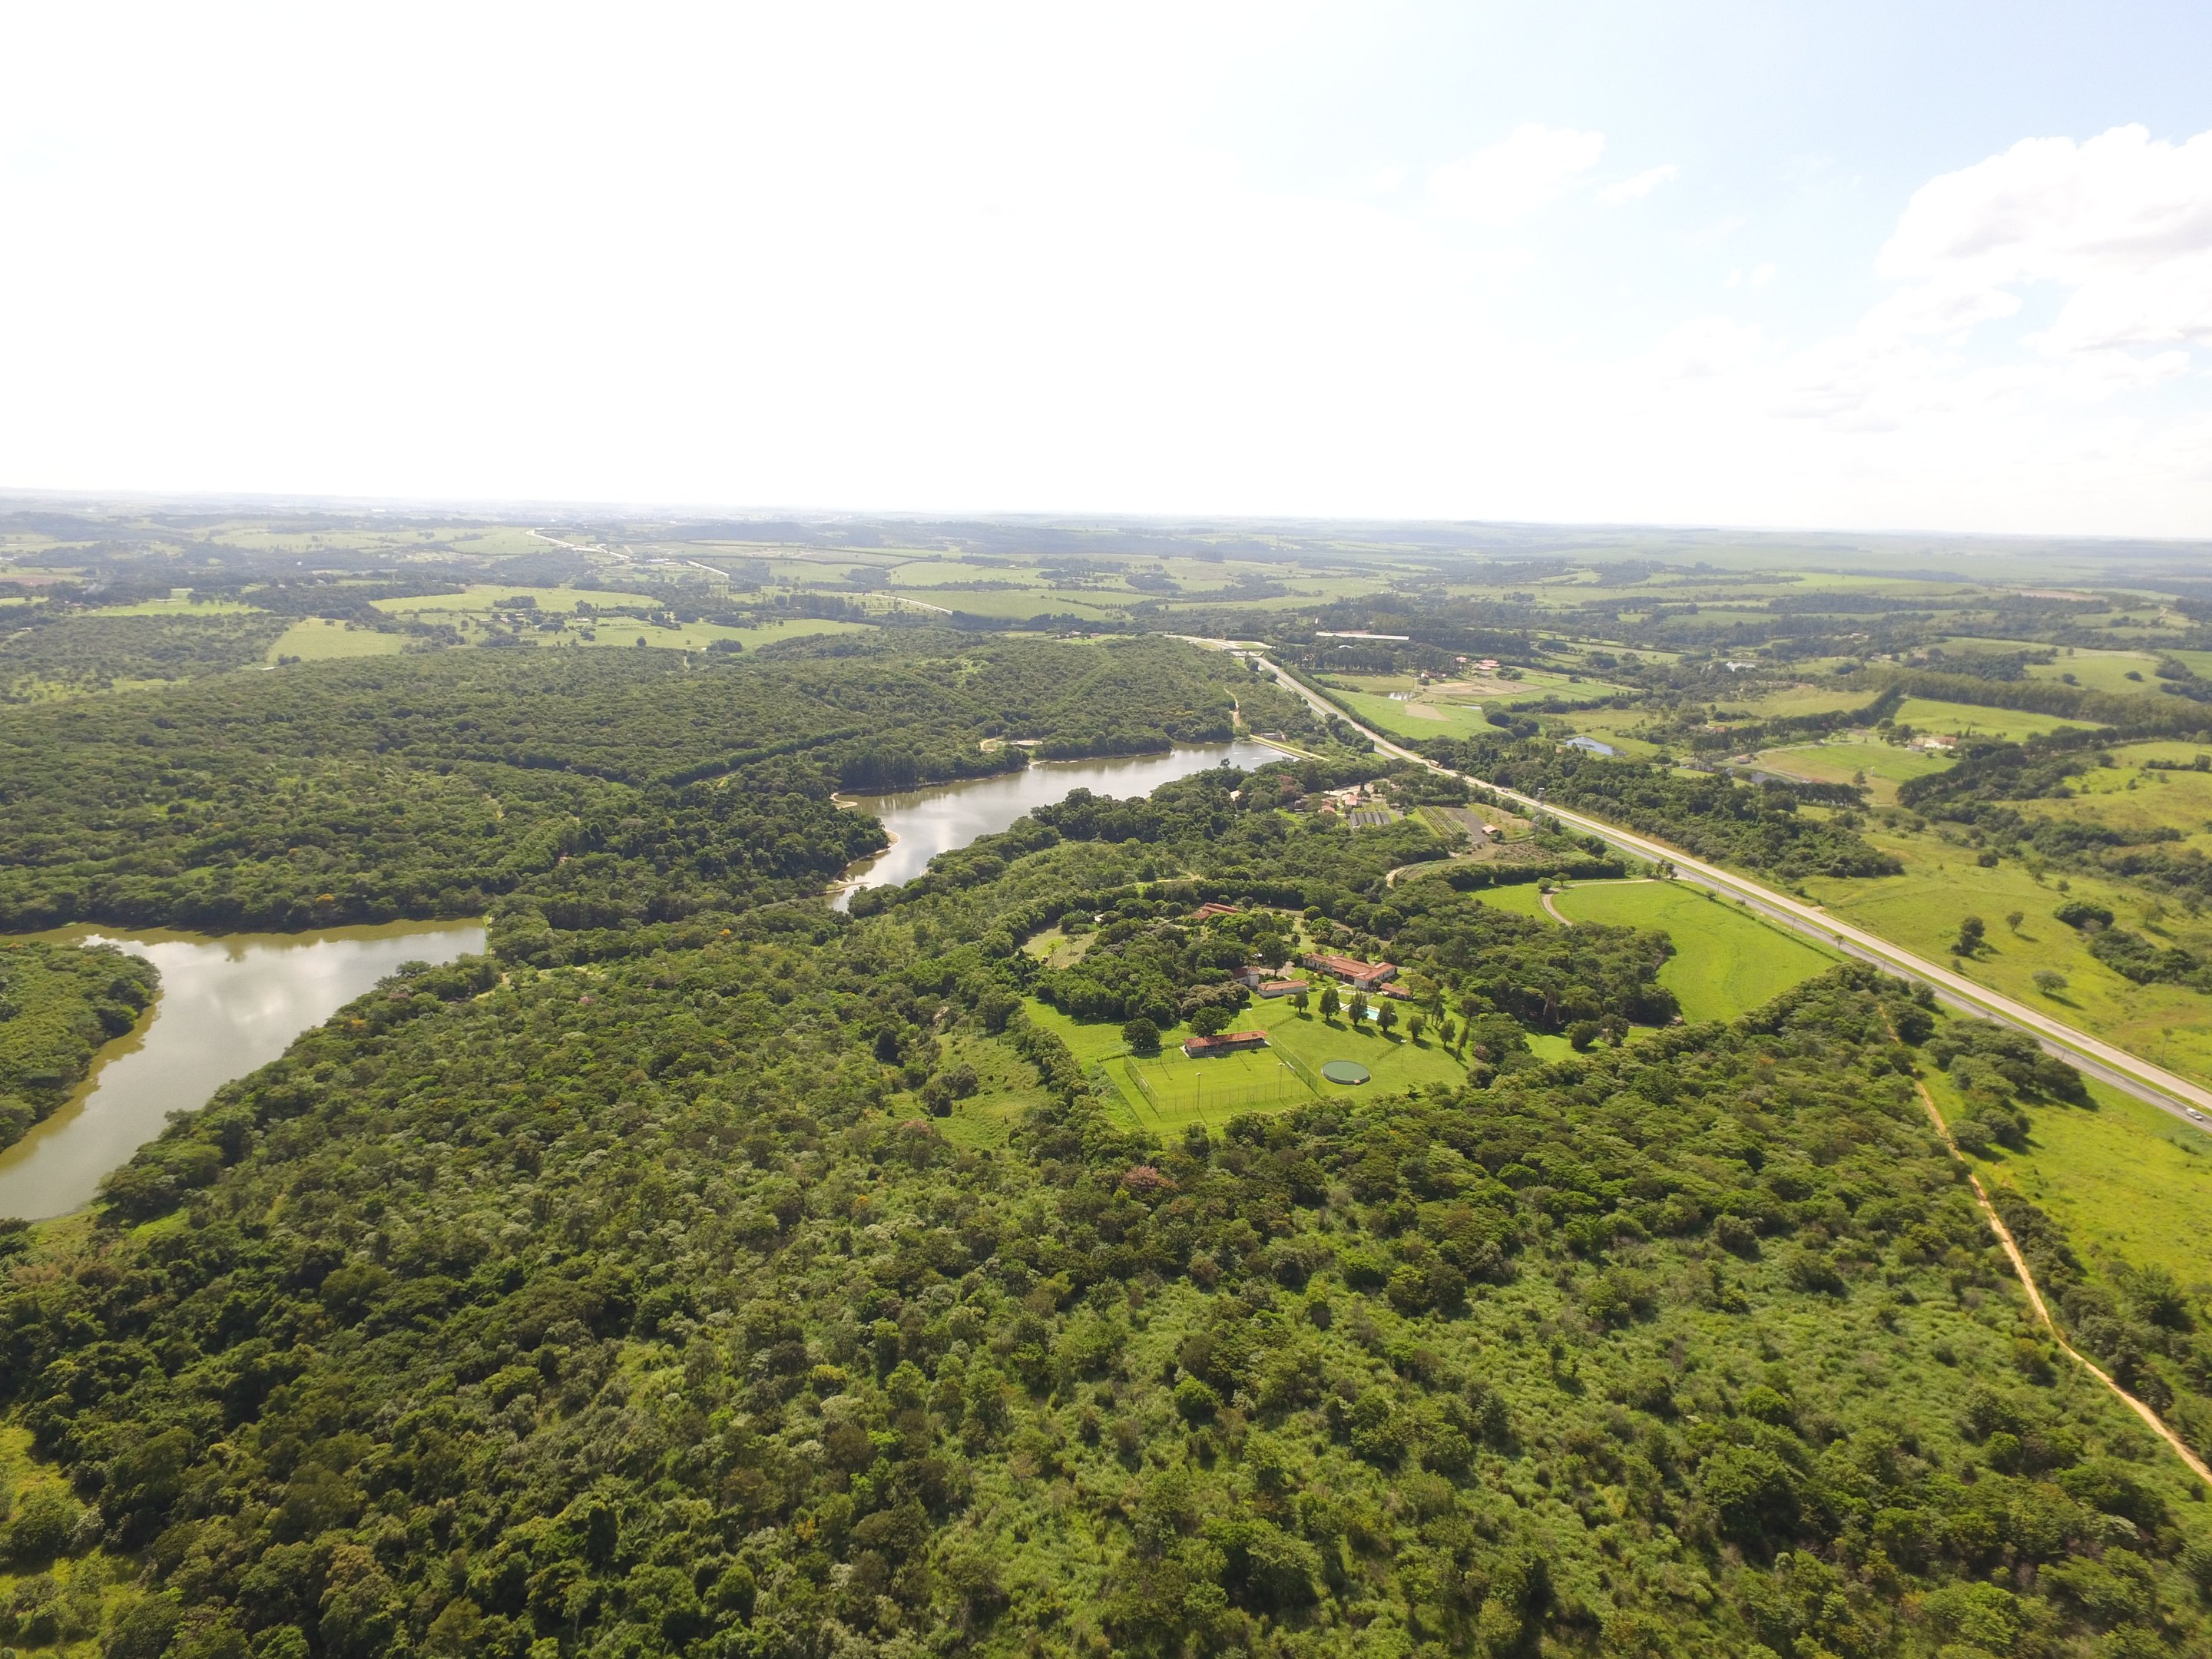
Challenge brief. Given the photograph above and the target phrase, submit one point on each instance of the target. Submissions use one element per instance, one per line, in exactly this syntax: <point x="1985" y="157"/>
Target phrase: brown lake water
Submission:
<point x="226" y="1006"/>
<point x="924" y="822"/>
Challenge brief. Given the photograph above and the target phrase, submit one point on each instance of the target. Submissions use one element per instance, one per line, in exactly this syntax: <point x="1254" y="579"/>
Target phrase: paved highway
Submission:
<point x="2100" y="1060"/>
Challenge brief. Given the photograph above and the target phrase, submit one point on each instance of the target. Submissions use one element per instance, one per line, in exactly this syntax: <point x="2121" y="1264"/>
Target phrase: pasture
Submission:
<point x="1968" y="720"/>
<point x="1726" y="961"/>
<point x="2129" y="1182"/>
<point x="1884" y="765"/>
<point x="1944" y="882"/>
<point x="320" y="639"/>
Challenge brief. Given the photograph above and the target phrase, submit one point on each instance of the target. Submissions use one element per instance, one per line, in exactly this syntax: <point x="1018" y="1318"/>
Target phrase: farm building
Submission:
<point x="1228" y="1042"/>
<point x="1360" y="975"/>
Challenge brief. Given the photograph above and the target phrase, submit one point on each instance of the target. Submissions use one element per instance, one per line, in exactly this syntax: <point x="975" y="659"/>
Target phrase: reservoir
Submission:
<point x="226" y="1006"/>
<point x="924" y="822"/>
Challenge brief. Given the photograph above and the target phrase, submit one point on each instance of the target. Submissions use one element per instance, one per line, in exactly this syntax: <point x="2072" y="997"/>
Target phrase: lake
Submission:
<point x="924" y="822"/>
<point x="227" y="1006"/>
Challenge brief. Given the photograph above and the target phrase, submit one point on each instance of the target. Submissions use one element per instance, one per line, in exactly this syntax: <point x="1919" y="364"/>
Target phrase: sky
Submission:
<point x="1930" y="265"/>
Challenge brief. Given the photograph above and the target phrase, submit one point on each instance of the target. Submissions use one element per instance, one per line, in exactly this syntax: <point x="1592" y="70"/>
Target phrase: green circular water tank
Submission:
<point x="1345" y="1070"/>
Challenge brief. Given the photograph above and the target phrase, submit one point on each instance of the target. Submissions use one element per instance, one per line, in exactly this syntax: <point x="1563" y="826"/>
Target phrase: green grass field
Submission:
<point x="472" y="611"/>
<point x="1522" y="899"/>
<point x="1922" y="909"/>
<point x="1803" y="700"/>
<point x="2126" y="1181"/>
<point x="1885" y="765"/>
<point x="176" y="607"/>
<point x="1213" y="1090"/>
<point x="1411" y="721"/>
<point x="482" y="597"/>
<point x="2102" y="671"/>
<point x="697" y="636"/>
<point x="1726" y="961"/>
<point x="1966" y="720"/>
<point x="319" y="640"/>
<point x="2131" y="798"/>
<point x="1615" y="726"/>
<point x="1019" y="605"/>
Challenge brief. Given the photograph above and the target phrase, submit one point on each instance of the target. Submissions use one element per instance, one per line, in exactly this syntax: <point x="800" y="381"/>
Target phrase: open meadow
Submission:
<point x="1944" y="883"/>
<point x="1878" y="767"/>
<point x="1726" y="962"/>
<point x="1960" y="719"/>
<point x="1177" y="1090"/>
<point x="319" y="640"/>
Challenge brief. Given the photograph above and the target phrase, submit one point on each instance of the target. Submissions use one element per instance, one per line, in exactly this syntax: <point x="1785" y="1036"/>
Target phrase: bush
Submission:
<point x="43" y="1524"/>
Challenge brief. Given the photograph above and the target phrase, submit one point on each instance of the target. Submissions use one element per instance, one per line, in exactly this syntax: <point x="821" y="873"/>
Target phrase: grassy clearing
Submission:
<point x="2101" y="670"/>
<point x="2128" y="1181"/>
<point x="1522" y="899"/>
<point x="2135" y="799"/>
<point x="1884" y="765"/>
<point x="1019" y="604"/>
<point x="1942" y="882"/>
<point x="1213" y="1090"/>
<point x="1964" y="720"/>
<point x="1807" y="699"/>
<point x="1413" y="721"/>
<point x="319" y="640"/>
<point x="176" y="607"/>
<point x="1615" y="726"/>
<point x="697" y="636"/>
<point x="1726" y="960"/>
<point x="483" y="597"/>
<point x="934" y="572"/>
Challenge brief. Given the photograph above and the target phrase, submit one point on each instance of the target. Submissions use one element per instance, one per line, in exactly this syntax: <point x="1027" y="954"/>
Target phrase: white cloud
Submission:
<point x="1512" y="179"/>
<point x="995" y="257"/>
<point x="1761" y="276"/>
<point x="2121" y="220"/>
<point x="1637" y="188"/>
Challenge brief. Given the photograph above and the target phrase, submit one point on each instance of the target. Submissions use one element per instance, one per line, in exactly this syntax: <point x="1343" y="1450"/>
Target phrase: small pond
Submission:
<point x="226" y="1006"/>
<point x="924" y="822"/>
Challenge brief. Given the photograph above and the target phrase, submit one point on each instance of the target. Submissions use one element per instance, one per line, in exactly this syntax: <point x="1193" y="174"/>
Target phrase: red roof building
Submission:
<point x="1209" y="908"/>
<point x="1360" y="975"/>
<point x="1227" y="1043"/>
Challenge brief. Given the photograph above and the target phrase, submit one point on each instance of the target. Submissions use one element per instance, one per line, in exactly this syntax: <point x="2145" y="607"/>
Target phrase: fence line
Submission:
<point x="1207" y="1098"/>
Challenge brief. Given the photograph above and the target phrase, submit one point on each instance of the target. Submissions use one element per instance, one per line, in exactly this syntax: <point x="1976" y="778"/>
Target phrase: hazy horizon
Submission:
<point x="1920" y="270"/>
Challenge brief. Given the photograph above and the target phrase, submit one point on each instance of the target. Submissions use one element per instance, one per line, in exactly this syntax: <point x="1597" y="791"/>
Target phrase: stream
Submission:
<point x="226" y="1006"/>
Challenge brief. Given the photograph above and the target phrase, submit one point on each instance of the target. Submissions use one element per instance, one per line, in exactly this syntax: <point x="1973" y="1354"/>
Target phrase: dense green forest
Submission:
<point x="640" y="1306"/>
<point x="572" y="792"/>
<point x="66" y="651"/>
<point x="706" y="1273"/>
<point x="59" y="1004"/>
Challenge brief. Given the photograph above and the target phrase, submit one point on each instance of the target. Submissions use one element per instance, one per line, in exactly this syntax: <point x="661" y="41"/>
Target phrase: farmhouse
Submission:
<point x="1360" y="975"/>
<point x="1211" y="909"/>
<point x="1228" y="1042"/>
